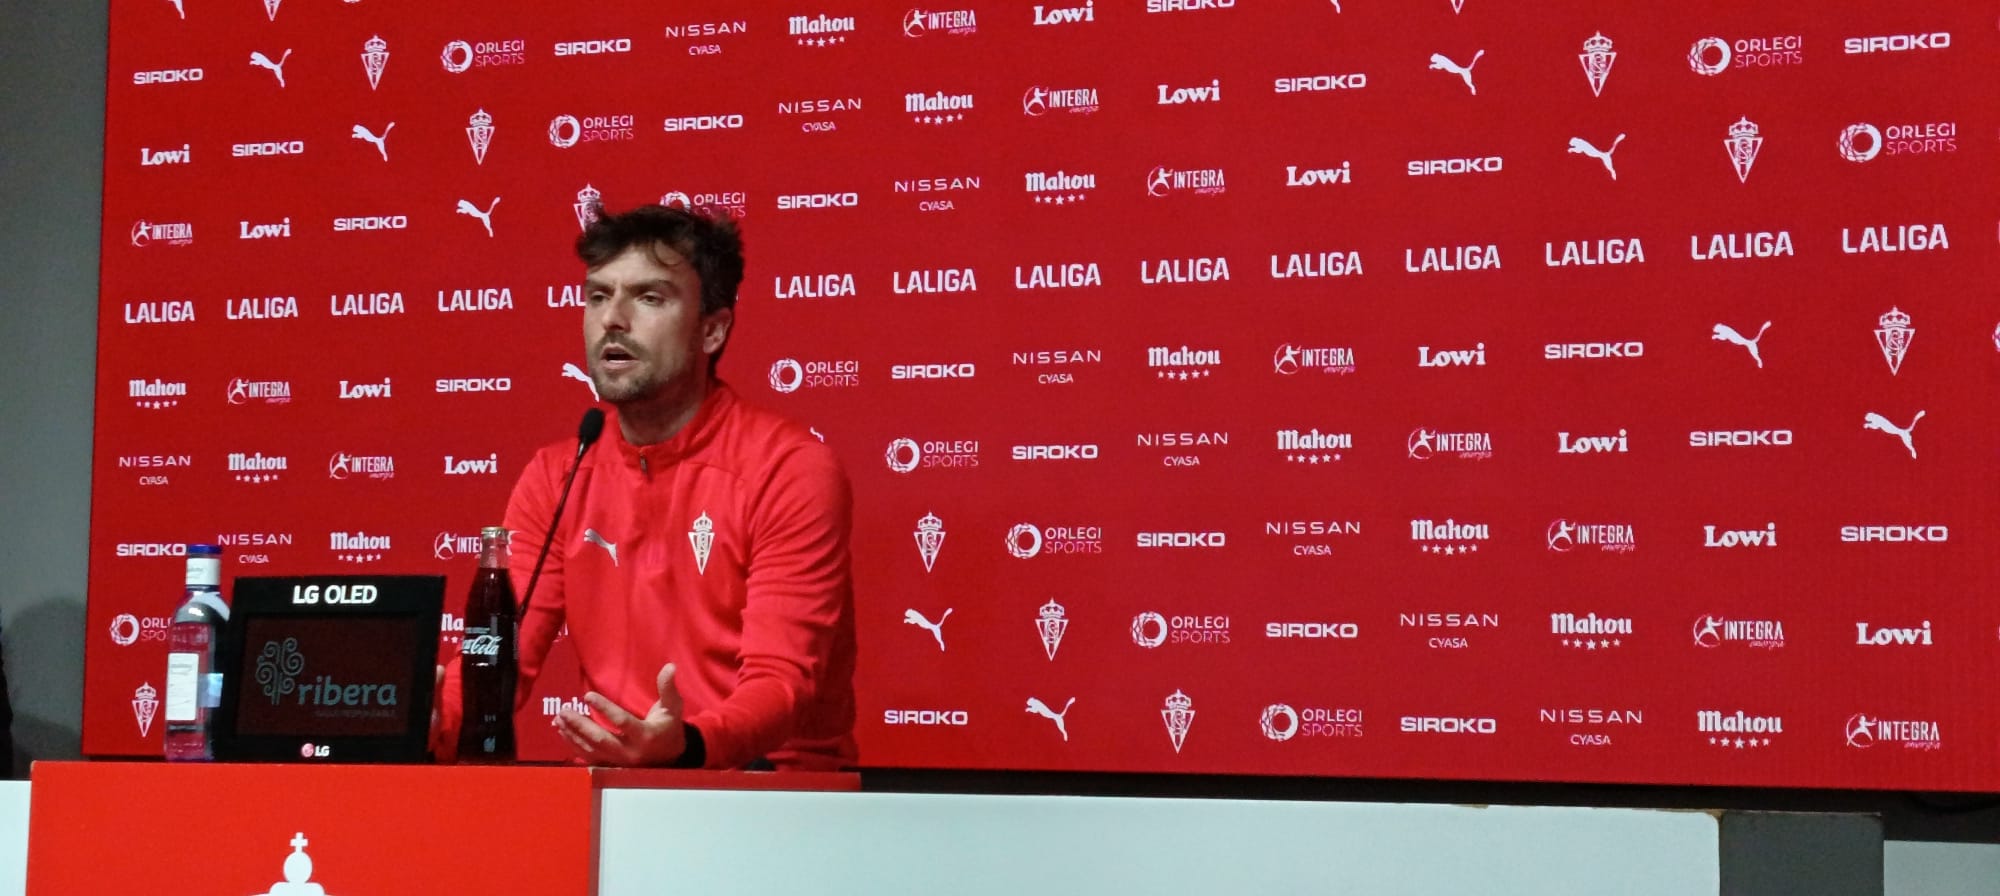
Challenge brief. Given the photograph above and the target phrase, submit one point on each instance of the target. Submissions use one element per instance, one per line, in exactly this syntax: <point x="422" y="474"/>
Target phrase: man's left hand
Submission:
<point x="657" y="738"/>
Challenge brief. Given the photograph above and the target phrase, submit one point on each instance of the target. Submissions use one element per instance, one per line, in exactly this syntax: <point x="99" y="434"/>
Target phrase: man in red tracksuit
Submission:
<point x="702" y="563"/>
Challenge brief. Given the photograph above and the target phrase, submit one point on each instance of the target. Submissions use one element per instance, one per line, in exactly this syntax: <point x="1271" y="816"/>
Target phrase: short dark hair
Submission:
<point x="708" y="240"/>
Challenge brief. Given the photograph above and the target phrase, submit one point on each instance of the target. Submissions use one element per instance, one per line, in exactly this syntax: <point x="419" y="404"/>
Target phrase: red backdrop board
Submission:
<point x="1451" y="388"/>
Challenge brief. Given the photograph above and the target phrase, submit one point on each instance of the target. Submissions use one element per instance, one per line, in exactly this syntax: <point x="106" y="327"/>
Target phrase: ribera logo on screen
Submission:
<point x="171" y="311"/>
<point x="281" y="666"/>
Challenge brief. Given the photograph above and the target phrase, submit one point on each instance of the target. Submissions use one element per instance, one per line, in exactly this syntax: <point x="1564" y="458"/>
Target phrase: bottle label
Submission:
<point x="479" y="642"/>
<point x="183" y="685"/>
<point x="204" y="571"/>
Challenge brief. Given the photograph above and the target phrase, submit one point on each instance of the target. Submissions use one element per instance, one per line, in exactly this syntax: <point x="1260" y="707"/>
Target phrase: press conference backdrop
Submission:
<point x="1557" y="391"/>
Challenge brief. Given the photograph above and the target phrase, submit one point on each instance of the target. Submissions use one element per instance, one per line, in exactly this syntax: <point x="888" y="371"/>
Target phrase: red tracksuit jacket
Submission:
<point x="723" y="550"/>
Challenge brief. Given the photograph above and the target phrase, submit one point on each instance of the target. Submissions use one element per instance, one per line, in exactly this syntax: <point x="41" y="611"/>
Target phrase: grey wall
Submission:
<point x="51" y="154"/>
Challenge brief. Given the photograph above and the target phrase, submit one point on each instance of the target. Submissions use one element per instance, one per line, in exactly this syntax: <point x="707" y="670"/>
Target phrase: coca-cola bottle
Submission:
<point x="487" y="662"/>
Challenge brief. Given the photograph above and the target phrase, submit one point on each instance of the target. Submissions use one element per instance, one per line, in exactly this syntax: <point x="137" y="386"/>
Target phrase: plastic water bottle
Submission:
<point x="194" y="683"/>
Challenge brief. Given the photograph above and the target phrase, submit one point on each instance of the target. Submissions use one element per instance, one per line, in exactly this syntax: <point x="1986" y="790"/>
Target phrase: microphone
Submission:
<point x="587" y="432"/>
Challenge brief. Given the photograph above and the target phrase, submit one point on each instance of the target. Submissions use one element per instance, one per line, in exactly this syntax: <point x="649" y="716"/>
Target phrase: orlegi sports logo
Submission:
<point x="1150" y="630"/>
<point x="1712" y="56"/>
<point x="1026" y="541"/>
<point x="789" y="375"/>
<point x="1863" y="142"/>
<point x="1280" y="722"/>
<point x="907" y="455"/>
<point x="566" y="131"/>
<point x="461" y="56"/>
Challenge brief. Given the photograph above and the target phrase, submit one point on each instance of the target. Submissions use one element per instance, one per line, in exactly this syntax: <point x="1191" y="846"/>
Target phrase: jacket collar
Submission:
<point x="700" y="429"/>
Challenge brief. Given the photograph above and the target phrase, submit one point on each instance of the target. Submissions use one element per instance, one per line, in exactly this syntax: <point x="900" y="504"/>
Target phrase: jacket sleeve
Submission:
<point x="799" y="589"/>
<point x="527" y="518"/>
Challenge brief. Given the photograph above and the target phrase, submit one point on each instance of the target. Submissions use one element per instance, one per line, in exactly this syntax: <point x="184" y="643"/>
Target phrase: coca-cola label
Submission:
<point x="480" y="642"/>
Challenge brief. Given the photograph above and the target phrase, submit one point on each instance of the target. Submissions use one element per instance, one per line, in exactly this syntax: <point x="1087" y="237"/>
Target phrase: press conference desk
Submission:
<point x="239" y="830"/>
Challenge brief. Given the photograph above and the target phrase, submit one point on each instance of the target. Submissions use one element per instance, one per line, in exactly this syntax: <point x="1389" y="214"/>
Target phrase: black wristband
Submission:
<point x="695" y="754"/>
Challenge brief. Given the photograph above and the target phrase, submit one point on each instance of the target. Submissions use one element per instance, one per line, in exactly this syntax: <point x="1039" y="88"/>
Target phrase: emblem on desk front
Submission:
<point x="298" y="873"/>
<point x="145" y="704"/>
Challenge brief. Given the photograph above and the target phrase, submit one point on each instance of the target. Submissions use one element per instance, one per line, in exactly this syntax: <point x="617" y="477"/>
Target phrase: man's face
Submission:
<point x="643" y="329"/>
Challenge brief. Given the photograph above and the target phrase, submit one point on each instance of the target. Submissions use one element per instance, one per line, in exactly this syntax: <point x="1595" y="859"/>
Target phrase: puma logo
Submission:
<point x="1440" y="63"/>
<point x="1726" y="333"/>
<point x="381" y="142"/>
<point x="590" y="535"/>
<point x="936" y="629"/>
<point x="571" y="371"/>
<point x="1585" y="147"/>
<point x="1042" y="709"/>
<point x="277" y="68"/>
<point x="1880" y="423"/>
<point x="465" y="207"/>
